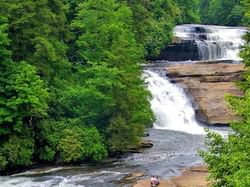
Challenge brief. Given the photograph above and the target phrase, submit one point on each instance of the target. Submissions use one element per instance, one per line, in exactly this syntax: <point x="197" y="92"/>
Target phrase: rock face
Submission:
<point x="208" y="84"/>
<point x="179" y="50"/>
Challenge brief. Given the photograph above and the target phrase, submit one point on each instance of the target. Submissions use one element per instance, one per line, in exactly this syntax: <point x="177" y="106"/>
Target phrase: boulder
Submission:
<point x="134" y="176"/>
<point x="208" y="84"/>
<point x="130" y="179"/>
<point x="146" y="144"/>
<point x="143" y="144"/>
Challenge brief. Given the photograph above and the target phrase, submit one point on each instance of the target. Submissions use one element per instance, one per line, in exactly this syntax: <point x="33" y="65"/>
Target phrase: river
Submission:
<point x="176" y="134"/>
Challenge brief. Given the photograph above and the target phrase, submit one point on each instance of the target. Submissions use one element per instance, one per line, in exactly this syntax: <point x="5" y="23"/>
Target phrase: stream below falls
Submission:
<point x="172" y="152"/>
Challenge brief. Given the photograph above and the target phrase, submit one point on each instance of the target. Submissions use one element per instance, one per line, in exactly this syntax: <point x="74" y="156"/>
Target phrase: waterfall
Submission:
<point x="171" y="106"/>
<point x="214" y="42"/>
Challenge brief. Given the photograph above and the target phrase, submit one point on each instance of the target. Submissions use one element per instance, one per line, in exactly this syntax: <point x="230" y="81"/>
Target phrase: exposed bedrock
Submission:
<point x="192" y="177"/>
<point x="179" y="50"/>
<point x="208" y="84"/>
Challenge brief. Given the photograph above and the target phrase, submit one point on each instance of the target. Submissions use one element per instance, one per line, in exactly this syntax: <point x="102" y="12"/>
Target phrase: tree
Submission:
<point x="204" y="4"/>
<point x="189" y="11"/>
<point x="153" y="22"/>
<point x="112" y="70"/>
<point x="69" y="141"/>
<point x="23" y="93"/>
<point x="222" y="12"/>
<point x="246" y="7"/>
<point x="160" y="29"/>
<point x="23" y="100"/>
<point x="37" y="31"/>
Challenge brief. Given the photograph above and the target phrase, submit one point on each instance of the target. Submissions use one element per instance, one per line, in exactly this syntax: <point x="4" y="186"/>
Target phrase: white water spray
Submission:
<point x="172" y="108"/>
<point x="214" y="42"/>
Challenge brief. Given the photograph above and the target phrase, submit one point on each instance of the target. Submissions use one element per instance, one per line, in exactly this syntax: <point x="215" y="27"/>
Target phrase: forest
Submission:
<point x="71" y="86"/>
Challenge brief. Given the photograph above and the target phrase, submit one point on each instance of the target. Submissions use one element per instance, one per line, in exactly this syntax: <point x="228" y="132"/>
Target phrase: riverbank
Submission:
<point x="192" y="177"/>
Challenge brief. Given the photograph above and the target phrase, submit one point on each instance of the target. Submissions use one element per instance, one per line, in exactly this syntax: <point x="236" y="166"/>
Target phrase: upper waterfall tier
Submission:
<point x="213" y="42"/>
<point x="204" y="42"/>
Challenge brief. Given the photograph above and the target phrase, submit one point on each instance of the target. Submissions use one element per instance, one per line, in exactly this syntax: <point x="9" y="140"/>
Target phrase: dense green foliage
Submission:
<point x="223" y="12"/>
<point x="23" y="100"/>
<point x="71" y="86"/>
<point x="113" y="74"/>
<point x="69" y="141"/>
<point x="153" y="22"/>
<point x="189" y="11"/>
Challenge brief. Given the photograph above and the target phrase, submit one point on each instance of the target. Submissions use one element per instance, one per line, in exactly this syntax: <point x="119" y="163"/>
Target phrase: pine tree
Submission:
<point x="37" y="31"/>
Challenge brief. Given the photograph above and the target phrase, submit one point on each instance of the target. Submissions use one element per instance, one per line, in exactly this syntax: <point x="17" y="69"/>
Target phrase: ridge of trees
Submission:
<point x="224" y="12"/>
<point x="71" y="81"/>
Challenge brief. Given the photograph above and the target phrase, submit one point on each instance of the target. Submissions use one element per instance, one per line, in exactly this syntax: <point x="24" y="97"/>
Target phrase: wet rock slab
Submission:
<point x="193" y="177"/>
<point x="208" y="84"/>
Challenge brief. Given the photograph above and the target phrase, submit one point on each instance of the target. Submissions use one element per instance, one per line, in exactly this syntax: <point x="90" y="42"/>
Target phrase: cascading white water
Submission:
<point x="214" y="42"/>
<point x="172" y="108"/>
